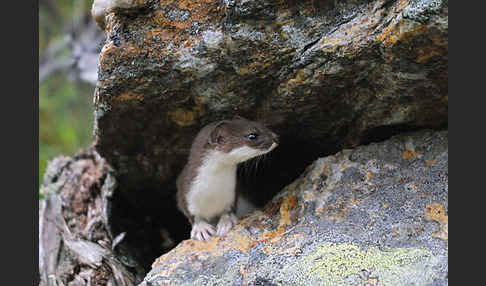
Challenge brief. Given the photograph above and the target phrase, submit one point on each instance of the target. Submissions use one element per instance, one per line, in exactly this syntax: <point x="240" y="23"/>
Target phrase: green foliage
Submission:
<point x="65" y="107"/>
<point x="65" y="118"/>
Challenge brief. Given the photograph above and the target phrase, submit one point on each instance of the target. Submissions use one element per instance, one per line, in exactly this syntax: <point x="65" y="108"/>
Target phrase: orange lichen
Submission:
<point x="216" y="246"/>
<point x="128" y="96"/>
<point x="272" y="235"/>
<point x="288" y="203"/>
<point x="372" y="281"/>
<point x="368" y="176"/>
<point x="409" y="155"/>
<point x="130" y="49"/>
<point x="299" y="78"/>
<point x="437" y="212"/>
<point x="426" y="53"/>
<point x="253" y="244"/>
<point x="400" y="32"/>
<point x="178" y="31"/>
<point x="233" y="240"/>
<point x="385" y="36"/>
<point x="183" y="117"/>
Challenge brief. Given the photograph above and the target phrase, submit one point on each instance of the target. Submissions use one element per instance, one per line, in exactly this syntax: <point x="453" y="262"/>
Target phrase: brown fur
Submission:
<point x="223" y="136"/>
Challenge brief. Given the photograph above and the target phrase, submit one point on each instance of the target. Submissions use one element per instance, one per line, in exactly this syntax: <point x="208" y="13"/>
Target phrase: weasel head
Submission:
<point x="240" y="139"/>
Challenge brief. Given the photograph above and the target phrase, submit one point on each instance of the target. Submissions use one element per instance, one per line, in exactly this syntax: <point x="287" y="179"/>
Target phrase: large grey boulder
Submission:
<point x="373" y="215"/>
<point x="324" y="75"/>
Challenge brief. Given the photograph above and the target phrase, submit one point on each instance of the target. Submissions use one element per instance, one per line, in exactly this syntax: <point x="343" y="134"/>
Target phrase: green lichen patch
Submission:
<point x="345" y="263"/>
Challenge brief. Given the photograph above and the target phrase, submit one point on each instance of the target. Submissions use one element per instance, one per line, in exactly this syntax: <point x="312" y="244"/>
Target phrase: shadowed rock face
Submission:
<point x="324" y="75"/>
<point x="374" y="215"/>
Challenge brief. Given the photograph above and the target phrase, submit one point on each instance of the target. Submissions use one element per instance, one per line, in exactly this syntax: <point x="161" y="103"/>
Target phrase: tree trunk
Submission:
<point x="77" y="245"/>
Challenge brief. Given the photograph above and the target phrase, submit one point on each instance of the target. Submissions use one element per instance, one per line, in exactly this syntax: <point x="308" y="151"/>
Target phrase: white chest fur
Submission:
<point x="213" y="190"/>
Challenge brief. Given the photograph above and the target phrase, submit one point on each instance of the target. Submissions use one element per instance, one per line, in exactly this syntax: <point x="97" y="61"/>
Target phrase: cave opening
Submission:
<point x="154" y="225"/>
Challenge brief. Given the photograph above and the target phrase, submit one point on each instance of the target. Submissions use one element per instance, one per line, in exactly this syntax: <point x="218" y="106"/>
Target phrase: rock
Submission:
<point x="373" y="215"/>
<point x="101" y="8"/>
<point x="324" y="75"/>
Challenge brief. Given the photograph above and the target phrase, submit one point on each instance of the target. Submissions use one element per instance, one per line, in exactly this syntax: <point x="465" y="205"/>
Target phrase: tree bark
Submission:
<point x="76" y="242"/>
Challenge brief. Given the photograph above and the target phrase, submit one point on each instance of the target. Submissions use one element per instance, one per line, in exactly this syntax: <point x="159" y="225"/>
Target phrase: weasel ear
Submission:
<point x="216" y="136"/>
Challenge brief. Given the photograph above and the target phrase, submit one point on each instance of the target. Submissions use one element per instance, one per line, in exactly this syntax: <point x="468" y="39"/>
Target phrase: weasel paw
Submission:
<point x="202" y="231"/>
<point x="226" y="222"/>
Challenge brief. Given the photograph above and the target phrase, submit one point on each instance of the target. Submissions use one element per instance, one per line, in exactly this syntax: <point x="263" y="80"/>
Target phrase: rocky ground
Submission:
<point x="373" y="215"/>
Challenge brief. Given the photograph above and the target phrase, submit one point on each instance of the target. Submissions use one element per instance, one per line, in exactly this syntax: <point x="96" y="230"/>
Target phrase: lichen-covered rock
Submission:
<point x="324" y="75"/>
<point x="374" y="215"/>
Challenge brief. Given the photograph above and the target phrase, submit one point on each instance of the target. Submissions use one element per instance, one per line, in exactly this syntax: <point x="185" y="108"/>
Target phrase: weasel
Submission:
<point x="206" y="187"/>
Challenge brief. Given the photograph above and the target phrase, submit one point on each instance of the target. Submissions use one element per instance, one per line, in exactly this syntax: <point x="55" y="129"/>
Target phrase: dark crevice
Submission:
<point x="146" y="214"/>
<point x="262" y="178"/>
<point x="382" y="133"/>
<point x="310" y="45"/>
<point x="152" y="223"/>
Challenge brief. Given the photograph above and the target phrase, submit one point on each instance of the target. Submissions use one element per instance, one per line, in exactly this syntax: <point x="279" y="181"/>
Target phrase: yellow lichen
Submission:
<point x="333" y="262"/>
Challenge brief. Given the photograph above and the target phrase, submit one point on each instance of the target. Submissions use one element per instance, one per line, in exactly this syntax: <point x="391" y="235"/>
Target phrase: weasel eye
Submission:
<point x="252" y="136"/>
